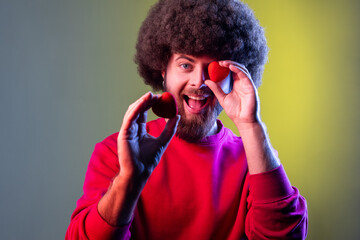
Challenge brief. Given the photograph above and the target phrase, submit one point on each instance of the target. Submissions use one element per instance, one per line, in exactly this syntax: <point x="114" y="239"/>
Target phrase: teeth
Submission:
<point x="197" y="98"/>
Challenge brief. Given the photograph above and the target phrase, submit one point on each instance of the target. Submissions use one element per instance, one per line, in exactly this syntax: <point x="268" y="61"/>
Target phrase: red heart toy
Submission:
<point x="165" y="106"/>
<point x="217" y="73"/>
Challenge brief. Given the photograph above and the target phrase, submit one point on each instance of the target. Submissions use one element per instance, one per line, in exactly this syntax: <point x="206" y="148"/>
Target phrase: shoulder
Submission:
<point x="228" y="135"/>
<point x="232" y="143"/>
<point x="231" y="136"/>
<point x="110" y="141"/>
<point x="104" y="158"/>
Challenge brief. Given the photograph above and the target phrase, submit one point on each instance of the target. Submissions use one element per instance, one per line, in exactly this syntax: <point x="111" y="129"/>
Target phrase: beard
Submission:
<point x="195" y="128"/>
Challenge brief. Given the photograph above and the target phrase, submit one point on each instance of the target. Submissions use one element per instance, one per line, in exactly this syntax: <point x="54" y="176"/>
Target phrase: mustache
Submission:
<point x="201" y="91"/>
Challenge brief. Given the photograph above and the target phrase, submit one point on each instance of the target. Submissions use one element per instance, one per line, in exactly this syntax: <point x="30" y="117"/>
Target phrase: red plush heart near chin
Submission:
<point x="217" y="73"/>
<point x="166" y="106"/>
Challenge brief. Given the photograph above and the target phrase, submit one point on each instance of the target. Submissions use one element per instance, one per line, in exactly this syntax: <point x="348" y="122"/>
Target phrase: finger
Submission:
<point x="169" y="130"/>
<point x="140" y="106"/>
<point x="142" y="117"/>
<point x="136" y="103"/>
<point x="239" y="70"/>
<point x="217" y="90"/>
<point x="245" y="80"/>
<point x="142" y="123"/>
<point x="241" y="67"/>
<point x="227" y="63"/>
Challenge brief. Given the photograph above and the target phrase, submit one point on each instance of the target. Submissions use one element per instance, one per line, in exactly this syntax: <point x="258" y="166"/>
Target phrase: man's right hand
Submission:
<point x="138" y="154"/>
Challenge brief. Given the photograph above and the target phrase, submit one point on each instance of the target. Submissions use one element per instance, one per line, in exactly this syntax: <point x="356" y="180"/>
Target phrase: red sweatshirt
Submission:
<point x="198" y="191"/>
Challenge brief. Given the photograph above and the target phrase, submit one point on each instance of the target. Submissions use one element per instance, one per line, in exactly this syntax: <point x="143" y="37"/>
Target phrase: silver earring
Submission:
<point x="163" y="82"/>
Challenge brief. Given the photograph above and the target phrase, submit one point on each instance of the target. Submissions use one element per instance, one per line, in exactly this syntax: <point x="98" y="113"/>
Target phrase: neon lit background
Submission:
<point x="67" y="77"/>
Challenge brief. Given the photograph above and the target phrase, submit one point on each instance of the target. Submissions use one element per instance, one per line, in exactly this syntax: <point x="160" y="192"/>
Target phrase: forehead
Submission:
<point x="194" y="59"/>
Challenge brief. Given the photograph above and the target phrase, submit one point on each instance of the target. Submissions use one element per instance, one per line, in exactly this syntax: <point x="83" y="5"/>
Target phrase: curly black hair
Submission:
<point x="220" y="29"/>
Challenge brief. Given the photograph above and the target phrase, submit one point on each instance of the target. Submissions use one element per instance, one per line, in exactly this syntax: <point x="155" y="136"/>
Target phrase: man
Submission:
<point x="189" y="177"/>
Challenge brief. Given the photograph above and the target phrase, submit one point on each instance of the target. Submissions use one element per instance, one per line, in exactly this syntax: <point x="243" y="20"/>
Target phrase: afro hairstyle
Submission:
<point x="220" y="29"/>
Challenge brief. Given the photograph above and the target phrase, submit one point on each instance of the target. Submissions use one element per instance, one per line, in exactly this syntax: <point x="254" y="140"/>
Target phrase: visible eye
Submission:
<point x="185" y="66"/>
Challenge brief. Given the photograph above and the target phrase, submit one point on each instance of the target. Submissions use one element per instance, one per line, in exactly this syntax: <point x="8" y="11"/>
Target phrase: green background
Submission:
<point x="67" y="77"/>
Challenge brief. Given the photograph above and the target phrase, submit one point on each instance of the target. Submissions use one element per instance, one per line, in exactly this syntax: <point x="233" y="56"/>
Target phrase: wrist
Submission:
<point x="128" y="184"/>
<point x="259" y="152"/>
<point x="117" y="206"/>
<point x="246" y="128"/>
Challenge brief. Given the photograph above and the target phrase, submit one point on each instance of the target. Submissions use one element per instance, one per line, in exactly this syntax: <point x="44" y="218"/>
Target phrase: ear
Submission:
<point x="163" y="74"/>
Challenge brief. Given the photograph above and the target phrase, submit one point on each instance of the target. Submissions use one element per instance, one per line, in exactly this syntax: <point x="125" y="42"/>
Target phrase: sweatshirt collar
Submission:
<point x="206" y="140"/>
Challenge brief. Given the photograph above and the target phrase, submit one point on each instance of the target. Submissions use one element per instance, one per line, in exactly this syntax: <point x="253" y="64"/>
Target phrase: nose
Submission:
<point x="198" y="78"/>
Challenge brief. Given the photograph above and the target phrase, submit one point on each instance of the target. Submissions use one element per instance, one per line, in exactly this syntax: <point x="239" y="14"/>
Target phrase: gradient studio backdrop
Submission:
<point x="67" y="77"/>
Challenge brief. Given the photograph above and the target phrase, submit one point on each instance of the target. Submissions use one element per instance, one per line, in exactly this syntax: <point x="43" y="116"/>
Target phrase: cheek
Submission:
<point x="175" y="87"/>
<point x="175" y="83"/>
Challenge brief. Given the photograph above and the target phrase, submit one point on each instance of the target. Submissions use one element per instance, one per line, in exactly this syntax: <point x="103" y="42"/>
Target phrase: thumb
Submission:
<point x="169" y="130"/>
<point x="217" y="90"/>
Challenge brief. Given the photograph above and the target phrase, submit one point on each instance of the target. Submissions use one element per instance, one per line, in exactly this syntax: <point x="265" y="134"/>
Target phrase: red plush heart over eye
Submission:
<point x="217" y="73"/>
<point x="165" y="106"/>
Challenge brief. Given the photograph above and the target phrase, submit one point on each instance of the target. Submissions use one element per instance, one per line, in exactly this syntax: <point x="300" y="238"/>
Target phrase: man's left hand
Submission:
<point x="242" y="103"/>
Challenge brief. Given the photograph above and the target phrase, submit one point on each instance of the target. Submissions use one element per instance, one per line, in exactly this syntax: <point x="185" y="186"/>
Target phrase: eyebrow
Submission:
<point x="186" y="57"/>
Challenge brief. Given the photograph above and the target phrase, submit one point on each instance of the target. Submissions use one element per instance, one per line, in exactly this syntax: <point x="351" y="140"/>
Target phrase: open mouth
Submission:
<point x="196" y="103"/>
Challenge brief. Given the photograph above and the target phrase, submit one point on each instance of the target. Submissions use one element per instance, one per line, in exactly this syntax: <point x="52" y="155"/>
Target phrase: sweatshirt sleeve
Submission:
<point x="86" y="222"/>
<point x="276" y="210"/>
